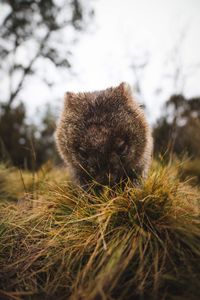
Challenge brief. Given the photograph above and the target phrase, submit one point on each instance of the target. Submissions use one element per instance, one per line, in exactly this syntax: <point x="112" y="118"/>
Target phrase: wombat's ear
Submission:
<point x="69" y="99"/>
<point x="125" y="89"/>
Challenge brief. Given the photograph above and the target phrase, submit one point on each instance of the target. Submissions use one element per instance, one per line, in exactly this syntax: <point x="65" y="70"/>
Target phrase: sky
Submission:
<point x="157" y="37"/>
<point x="135" y="31"/>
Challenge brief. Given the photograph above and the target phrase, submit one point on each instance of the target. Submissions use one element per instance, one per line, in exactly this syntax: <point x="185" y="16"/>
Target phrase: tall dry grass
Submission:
<point x="58" y="241"/>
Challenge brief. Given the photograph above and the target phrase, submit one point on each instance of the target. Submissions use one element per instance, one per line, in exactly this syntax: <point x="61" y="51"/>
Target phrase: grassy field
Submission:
<point x="60" y="242"/>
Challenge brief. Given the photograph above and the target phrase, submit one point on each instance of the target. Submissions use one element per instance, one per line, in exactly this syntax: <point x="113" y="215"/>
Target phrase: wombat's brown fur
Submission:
<point x="104" y="136"/>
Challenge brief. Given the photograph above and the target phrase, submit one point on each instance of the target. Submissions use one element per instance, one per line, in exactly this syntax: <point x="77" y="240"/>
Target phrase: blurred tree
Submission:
<point x="32" y="31"/>
<point x="26" y="145"/>
<point x="14" y="136"/>
<point x="178" y="131"/>
<point x="35" y="29"/>
<point x="45" y="145"/>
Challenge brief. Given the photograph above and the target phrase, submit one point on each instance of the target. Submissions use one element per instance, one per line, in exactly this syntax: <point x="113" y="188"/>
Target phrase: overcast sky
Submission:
<point x="130" y="32"/>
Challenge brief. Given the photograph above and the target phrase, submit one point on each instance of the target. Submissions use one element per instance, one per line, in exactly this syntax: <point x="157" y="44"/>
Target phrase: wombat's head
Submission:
<point x="103" y="135"/>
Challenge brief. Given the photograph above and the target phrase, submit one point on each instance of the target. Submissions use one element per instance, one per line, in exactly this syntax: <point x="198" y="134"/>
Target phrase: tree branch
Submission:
<point x="27" y="70"/>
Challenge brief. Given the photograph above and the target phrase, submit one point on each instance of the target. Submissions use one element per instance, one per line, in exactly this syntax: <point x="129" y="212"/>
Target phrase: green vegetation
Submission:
<point x="58" y="241"/>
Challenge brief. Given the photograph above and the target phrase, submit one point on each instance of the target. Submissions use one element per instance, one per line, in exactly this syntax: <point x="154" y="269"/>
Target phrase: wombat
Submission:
<point x="103" y="136"/>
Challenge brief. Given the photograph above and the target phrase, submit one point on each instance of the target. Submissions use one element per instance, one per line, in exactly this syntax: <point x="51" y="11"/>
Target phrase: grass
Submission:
<point x="191" y="169"/>
<point x="58" y="241"/>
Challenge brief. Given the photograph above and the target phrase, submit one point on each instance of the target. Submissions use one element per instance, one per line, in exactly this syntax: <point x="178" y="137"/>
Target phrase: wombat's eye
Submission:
<point x="83" y="153"/>
<point x="122" y="148"/>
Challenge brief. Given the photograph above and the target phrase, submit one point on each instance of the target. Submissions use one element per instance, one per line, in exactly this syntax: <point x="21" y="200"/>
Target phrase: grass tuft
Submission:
<point x="58" y="241"/>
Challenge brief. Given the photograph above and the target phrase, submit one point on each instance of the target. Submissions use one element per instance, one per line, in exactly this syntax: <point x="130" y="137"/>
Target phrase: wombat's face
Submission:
<point x="104" y="154"/>
<point x="99" y="137"/>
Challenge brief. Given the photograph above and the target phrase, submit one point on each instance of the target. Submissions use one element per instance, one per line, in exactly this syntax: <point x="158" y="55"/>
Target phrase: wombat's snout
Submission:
<point x="107" y="178"/>
<point x="104" y="170"/>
